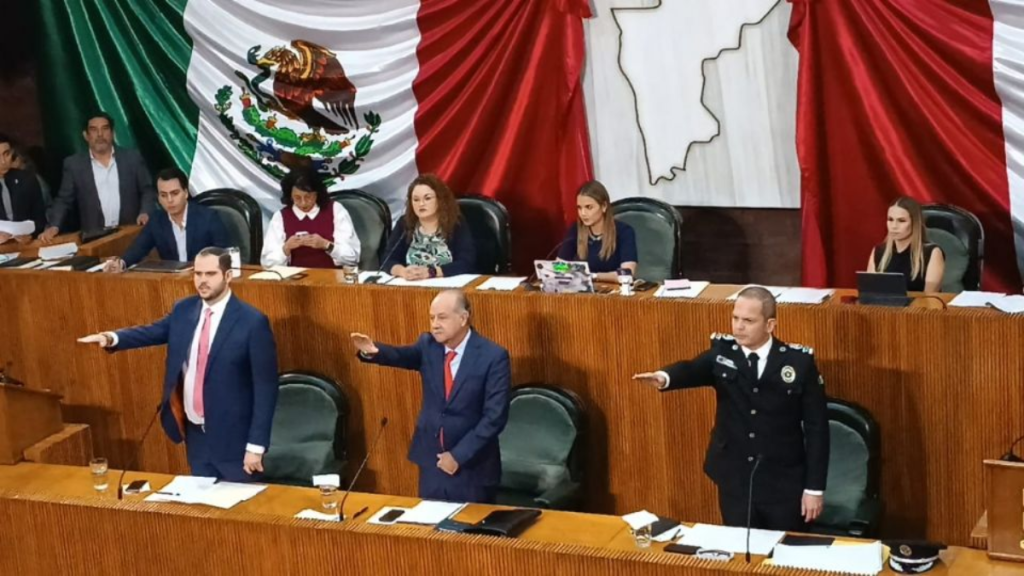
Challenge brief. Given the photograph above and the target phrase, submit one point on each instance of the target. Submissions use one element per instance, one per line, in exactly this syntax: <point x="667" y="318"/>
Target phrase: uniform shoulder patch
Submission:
<point x="802" y="348"/>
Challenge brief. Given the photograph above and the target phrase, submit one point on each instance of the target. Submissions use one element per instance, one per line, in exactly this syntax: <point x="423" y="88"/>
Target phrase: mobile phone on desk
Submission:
<point x="391" y="516"/>
<point x="135" y="487"/>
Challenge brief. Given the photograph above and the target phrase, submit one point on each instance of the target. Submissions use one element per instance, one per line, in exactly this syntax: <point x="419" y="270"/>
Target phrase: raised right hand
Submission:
<point x="651" y="379"/>
<point x="364" y="344"/>
<point x="102" y="339"/>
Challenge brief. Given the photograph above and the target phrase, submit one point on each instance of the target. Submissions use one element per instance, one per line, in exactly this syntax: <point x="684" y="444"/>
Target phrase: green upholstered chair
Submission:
<point x="659" y="236"/>
<point x="966" y="227"/>
<point x="541" y="449"/>
<point x="956" y="255"/>
<point x="308" y="435"/>
<point x="852" y="505"/>
<point x="489" y="224"/>
<point x="372" y="220"/>
<point x="243" y="218"/>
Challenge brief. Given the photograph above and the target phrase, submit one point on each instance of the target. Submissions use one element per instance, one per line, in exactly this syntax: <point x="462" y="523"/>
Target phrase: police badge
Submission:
<point x="788" y="374"/>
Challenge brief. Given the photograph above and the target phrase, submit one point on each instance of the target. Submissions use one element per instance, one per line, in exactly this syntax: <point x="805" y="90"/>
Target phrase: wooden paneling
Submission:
<point x="71" y="446"/>
<point x="115" y="244"/>
<point x="947" y="386"/>
<point x="52" y="523"/>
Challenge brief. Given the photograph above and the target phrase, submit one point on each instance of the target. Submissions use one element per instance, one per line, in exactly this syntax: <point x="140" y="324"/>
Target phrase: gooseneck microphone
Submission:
<point x="380" y="432"/>
<point x="135" y="456"/>
<point x="528" y="283"/>
<point x="750" y="503"/>
<point x="1010" y="455"/>
<point x="380" y="270"/>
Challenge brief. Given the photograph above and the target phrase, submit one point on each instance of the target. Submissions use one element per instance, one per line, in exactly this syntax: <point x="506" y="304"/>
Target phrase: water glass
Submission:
<point x="351" y="274"/>
<point x="642" y="536"/>
<point x="329" y="499"/>
<point x="99" y="469"/>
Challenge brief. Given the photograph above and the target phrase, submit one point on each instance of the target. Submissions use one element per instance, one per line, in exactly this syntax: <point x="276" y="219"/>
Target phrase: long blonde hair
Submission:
<point x="917" y="238"/>
<point x="596" y="192"/>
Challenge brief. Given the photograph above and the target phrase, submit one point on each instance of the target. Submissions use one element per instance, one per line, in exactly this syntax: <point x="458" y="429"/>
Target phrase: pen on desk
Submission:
<point x="358" y="514"/>
<point x="168" y="493"/>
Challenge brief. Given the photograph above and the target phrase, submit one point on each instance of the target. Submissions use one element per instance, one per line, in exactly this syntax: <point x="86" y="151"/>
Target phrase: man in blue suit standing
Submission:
<point x="220" y="385"/>
<point x="179" y="232"/>
<point x="466" y="381"/>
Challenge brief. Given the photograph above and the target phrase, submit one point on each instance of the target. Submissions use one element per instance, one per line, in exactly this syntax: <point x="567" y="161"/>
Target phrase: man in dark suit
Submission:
<point x="108" y="185"/>
<point x="180" y="231"/>
<point x="771" y="435"/>
<point x="466" y="382"/>
<point x="20" y="196"/>
<point x="220" y="386"/>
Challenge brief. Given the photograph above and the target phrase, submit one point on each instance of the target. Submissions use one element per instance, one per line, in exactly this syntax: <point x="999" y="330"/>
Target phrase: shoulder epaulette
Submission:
<point x="720" y="336"/>
<point x="802" y="348"/>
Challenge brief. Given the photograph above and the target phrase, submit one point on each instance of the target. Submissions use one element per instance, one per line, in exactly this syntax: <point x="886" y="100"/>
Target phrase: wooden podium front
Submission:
<point x="1004" y="497"/>
<point x="26" y="417"/>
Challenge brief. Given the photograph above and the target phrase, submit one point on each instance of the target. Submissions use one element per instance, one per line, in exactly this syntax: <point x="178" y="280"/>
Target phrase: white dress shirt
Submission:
<point x="346" y="243"/>
<point x="180" y="240"/>
<point x="460" y="351"/>
<point x="108" y="188"/>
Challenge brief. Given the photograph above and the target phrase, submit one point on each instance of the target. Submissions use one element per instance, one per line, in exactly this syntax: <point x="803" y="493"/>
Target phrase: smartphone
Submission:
<point x="391" y="516"/>
<point x="301" y="234"/>
<point x="135" y="487"/>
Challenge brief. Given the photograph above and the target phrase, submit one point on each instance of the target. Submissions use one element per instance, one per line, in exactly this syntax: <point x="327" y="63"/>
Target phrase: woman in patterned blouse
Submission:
<point x="431" y="240"/>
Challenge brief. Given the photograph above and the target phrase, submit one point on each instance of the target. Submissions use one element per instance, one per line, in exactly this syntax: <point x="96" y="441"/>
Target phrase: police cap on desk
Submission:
<point x="913" y="556"/>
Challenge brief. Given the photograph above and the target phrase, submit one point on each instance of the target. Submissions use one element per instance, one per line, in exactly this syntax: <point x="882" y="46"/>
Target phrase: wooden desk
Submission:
<point x="51" y="522"/>
<point x="112" y="245"/>
<point x="946" y="386"/>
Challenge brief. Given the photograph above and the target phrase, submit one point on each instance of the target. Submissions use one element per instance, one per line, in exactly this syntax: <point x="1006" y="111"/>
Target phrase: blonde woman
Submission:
<point x="907" y="251"/>
<point x="596" y="238"/>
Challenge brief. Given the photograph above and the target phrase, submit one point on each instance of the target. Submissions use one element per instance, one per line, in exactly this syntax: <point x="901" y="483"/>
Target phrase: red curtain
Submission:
<point x="501" y="109"/>
<point x="896" y="98"/>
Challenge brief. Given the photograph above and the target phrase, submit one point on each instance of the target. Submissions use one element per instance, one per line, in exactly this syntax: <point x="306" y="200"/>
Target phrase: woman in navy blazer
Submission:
<point x="201" y="226"/>
<point x="431" y="240"/>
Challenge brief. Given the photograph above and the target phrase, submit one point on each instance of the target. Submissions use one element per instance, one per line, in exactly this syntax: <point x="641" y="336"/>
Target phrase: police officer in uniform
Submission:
<point x="771" y="435"/>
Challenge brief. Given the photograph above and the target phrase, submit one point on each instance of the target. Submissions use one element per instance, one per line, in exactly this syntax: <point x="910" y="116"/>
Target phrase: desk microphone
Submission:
<point x="135" y="456"/>
<point x="750" y="503"/>
<point x="380" y="271"/>
<point x="380" y="432"/>
<point x="1010" y="456"/>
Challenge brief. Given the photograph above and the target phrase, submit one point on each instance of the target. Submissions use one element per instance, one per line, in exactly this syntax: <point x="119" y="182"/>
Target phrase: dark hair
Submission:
<point x="223" y="258"/>
<point x="174" y="173"/>
<point x="447" y="207"/>
<point x="762" y="295"/>
<point x="307" y="180"/>
<point x="100" y="114"/>
<point x="6" y="139"/>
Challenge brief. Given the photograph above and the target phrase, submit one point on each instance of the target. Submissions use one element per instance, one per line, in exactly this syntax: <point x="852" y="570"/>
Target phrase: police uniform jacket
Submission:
<point x="779" y="420"/>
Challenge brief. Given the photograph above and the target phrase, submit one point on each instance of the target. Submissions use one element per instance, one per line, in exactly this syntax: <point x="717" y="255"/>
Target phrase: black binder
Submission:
<point x="76" y="263"/>
<point x="91" y="235"/>
<point x="505" y="523"/>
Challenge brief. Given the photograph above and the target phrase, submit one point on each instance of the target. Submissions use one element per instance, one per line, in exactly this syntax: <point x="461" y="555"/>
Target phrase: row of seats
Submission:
<point x="658" y="226"/>
<point x="543" y="445"/>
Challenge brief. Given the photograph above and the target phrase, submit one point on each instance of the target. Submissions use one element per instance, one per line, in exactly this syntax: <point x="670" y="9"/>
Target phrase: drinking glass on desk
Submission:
<point x="351" y="274"/>
<point x="329" y="498"/>
<point x="99" y="468"/>
<point x="642" y="536"/>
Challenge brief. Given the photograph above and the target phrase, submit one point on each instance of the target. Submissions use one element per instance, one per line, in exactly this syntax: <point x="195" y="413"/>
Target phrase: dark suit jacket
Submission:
<point x="461" y="245"/>
<point x="475" y="414"/>
<point x="26" y="198"/>
<point x="241" y="373"/>
<point x="785" y="423"/>
<point x="203" y="228"/>
<point x="78" y="190"/>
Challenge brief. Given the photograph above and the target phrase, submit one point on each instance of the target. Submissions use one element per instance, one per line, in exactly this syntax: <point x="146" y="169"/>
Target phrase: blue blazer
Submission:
<point x="475" y="414"/>
<point x="461" y="244"/>
<point x="241" y="373"/>
<point x="203" y="229"/>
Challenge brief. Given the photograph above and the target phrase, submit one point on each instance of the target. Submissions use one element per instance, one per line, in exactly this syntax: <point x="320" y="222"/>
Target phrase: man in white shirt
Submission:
<point x="771" y="435"/>
<point x="220" y="384"/>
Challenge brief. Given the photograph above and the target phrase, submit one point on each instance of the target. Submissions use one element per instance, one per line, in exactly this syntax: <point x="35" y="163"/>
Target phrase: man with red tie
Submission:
<point x="220" y="384"/>
<point x="466" y="383"/>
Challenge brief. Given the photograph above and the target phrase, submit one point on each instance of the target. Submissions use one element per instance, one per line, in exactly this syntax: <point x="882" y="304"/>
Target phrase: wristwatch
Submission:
<point x="330" y="247"/>
<point x="432" y="272"/>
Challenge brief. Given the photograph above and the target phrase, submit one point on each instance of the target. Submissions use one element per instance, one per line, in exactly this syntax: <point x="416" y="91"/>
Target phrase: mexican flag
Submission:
<point x="369" y="92"/>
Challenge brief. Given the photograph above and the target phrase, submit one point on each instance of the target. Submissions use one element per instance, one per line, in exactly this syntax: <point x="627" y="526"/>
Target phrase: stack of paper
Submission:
<point x="207" y="491"/>
<point x="638" y="520"/>
<point x="971" y="299"/>
<point x="430" y="513"/>
<point x="732" y="539"/>
<point x="308" y="514"/>
<point x="804" y="296"/>
<point x="58" y="251"/>
<point x="845" y="558"/>
<point x="677" y="289"/>
<point x="501" y="283"/>
<point x="277" y="273"/>
<point x="23" y="228"/>
<point x="1009" y="304"/>
<point x="447" y="282"/>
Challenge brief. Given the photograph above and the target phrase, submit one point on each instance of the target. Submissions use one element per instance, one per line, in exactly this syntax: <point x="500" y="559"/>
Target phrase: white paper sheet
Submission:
<point x="327" y="480"/>
<point x="971" y="299"/>
<point x="8" y="257"/>
<point x="277" y="273"/>
<point x="206" y="491"/>
<point x="1009" y="304"/>
<point x="308" y="514"/>
<point x="732" y="539"/>
<point x="502" y="283"/>
<point x="459" y="281"/>
<point x="845" y="558"/>
<point x="694" y="290"/>
<point x="430" y="513"/>
<point x="23" y="228"/>
<point x="638" y="520"/>
<point x="58" y="251"/>
<point x="805" y="295"/>
<point x="775" y="290"/>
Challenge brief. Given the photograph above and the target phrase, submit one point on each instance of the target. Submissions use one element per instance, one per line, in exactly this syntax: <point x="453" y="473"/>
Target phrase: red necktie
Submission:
<point x="449" y="382"/>
<point x="202" y="356"/>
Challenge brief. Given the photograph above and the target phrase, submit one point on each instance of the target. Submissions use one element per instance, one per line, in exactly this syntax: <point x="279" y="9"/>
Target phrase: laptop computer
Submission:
<point x="882" y="289"/>
<point x="560" y="277"/>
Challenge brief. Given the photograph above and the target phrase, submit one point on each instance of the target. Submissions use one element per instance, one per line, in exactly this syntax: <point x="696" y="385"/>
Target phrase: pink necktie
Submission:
<point x="204" y="352"/>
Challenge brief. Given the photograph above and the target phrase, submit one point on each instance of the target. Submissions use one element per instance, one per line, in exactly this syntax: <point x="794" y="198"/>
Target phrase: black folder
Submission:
<point x="163" y="266"/>
<point x="505" y="523"/>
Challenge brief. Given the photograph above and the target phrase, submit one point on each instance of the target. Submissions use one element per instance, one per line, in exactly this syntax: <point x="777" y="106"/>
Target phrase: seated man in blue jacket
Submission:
<point x="180" y="232"/>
